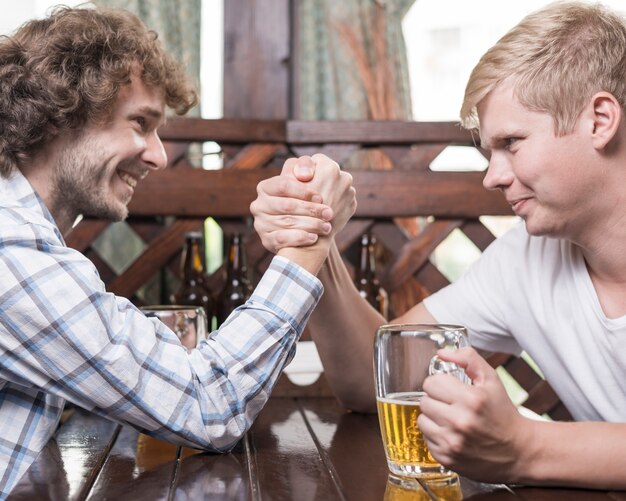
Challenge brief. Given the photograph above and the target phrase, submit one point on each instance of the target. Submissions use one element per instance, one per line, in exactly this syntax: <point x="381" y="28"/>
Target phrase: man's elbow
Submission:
<point x="364" y="403"/>
<point x="220" y="438"/>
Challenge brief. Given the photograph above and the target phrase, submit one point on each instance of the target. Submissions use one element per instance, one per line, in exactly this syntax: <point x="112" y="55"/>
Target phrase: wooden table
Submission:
<point x="298" y="449"/>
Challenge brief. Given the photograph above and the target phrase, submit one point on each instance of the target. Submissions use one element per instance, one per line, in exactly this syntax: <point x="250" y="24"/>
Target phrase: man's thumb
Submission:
<point x="304" y="170"/>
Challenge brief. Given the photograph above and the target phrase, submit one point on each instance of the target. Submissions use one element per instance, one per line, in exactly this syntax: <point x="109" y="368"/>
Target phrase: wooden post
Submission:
<point x="257" y="54"/>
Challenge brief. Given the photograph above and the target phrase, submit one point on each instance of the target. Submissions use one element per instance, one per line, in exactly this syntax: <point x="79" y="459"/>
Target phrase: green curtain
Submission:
<point x="178" y="24"/>
<point x="352" y="60"/>
<point x="352" y="65"/>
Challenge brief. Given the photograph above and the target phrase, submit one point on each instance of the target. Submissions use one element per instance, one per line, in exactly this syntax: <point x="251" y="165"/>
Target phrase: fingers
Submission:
<point x="325" y="167"/>
<point x="280" y="231"/>
<point x="431" y="430"/>
<point x="288" y="211"/>
<point x="289" y="223"/>
<point x="287" y="186"/>
<point x="281" y="239"/>
<point x="476" y="367"/>
<point x="446" y="420"/>
<point x="307" y="178"/>
<point x="449" y="389"/>
<point x="302" y="168"/>
<point x="276" y="205"/>
<point x="441" y="438"/>
<point x="444" y="388"/>
<point x="288" y="166"/>
<point x="270" y="223"/>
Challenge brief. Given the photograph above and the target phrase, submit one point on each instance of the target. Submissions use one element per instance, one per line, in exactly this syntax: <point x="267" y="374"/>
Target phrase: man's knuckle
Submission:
<point x="464" y="424"/>
<point x="287" y="206"/>
<point x="456" y="444"/>
<point x="267" y="242"/>
<point x="279" y="237"/>
<point x="283" y="186"/>
<point x="477" y="400"/>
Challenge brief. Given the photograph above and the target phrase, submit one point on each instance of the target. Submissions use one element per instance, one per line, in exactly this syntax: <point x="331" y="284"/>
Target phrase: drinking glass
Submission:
<point x="404" y="356"/>
<point x="189" y="323"/>
<point x="446" y="488"/>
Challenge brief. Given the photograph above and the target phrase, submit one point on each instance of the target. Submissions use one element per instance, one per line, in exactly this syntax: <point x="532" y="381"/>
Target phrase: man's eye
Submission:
<point x="510" y="141"/>
<point x="141" y="121"/>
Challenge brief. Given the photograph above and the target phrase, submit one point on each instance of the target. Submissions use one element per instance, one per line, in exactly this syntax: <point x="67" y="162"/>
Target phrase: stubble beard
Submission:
<point x="80" y="186"/>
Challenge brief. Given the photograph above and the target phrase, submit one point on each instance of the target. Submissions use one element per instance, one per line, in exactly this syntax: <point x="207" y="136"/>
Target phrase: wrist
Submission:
<point x="310" y="258"/>
<point x="527" y="451"/>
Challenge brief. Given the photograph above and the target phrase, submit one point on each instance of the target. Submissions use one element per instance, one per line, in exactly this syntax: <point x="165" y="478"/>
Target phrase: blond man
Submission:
<point x="548" y="103"/>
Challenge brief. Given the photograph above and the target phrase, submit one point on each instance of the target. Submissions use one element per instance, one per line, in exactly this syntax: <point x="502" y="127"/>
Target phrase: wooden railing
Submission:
<point x="171" y="202"/>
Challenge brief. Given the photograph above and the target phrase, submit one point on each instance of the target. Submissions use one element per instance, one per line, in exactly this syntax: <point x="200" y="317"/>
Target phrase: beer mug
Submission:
<point x="189" y="323"/>
<point x="404" y="356"/>
<point x="446" y="487"/>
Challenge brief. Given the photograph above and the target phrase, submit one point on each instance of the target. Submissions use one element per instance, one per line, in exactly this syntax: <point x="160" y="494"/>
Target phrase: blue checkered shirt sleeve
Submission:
<point x="64" y="337"/>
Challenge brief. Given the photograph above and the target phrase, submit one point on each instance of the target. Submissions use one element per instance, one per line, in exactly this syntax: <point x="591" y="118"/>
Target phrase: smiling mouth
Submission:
<point x="129" y="179"/>
<point x="517" y="204"/>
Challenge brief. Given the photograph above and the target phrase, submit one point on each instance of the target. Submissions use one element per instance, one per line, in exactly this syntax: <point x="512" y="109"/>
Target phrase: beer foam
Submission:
<point x="403" y="397"/>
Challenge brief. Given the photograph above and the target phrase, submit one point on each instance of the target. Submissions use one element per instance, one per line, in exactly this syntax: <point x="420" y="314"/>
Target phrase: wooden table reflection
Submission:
<point x="298" y="449"/>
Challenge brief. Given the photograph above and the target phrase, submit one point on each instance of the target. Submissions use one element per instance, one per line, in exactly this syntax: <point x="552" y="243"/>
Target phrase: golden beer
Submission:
<point x="406" y="450"/>
<point x="445" y="488"/>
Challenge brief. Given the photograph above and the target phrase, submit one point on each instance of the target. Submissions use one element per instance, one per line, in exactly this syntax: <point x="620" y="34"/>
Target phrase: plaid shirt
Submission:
<point x="63" y="337"/>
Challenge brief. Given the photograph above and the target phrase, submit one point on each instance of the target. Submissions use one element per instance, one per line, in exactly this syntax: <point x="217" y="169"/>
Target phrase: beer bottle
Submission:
<point x="365" y="277"/>
<point x="237" y="288"/>
<point x="193" y="289"/>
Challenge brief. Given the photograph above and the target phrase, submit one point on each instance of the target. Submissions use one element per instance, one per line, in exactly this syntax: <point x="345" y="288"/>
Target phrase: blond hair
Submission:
<point x="557" y="58"/>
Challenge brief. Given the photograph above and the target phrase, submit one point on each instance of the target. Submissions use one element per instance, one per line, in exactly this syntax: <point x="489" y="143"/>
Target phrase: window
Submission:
<point x="445" y="39"/>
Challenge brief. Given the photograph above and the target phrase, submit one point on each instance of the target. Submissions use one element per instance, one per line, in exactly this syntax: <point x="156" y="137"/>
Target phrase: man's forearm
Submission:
<point x="310" y="258"/>
<point x="583" y="454"/>
<point x="343" y="327"/>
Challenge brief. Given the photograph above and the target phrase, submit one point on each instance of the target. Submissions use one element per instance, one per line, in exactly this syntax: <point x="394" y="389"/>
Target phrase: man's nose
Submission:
<point x="499" y="174"/>
<point x="154" y="154"/>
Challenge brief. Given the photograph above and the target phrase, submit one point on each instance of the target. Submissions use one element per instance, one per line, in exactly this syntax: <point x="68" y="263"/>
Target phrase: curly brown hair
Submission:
<point x="64" y="71"/>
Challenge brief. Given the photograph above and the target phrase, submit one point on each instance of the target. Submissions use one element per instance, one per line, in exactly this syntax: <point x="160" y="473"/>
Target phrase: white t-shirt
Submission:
<point x="535" y="294"/>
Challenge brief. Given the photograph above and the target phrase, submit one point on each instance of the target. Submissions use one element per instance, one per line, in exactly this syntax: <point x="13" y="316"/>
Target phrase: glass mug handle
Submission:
<point x="439" y="366"/>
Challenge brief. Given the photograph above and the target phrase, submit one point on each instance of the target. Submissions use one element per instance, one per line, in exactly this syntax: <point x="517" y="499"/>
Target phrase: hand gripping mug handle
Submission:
<point x="439" y="366"/>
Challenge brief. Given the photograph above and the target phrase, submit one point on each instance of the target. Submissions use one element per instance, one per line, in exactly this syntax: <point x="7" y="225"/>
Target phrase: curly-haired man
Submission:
<point x="82" y="95"/>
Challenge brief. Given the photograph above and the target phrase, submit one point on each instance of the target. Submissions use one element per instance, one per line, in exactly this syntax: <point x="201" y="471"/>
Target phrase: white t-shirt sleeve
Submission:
<point x="480" y="299"/>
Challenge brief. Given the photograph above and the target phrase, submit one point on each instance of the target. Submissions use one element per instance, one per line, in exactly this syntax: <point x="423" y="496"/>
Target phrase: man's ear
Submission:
<point x="606" y="115"/>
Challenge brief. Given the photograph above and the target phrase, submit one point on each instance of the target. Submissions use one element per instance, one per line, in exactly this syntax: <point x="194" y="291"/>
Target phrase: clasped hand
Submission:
<point x="311" y="200"/>
<point x="474" y="430"/>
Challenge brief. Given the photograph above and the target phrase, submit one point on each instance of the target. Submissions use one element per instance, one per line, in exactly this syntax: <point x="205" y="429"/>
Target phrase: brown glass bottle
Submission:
<point x="237" y="288"/>
<point x="193" y="289"/>
<point x="365" y="277"/>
